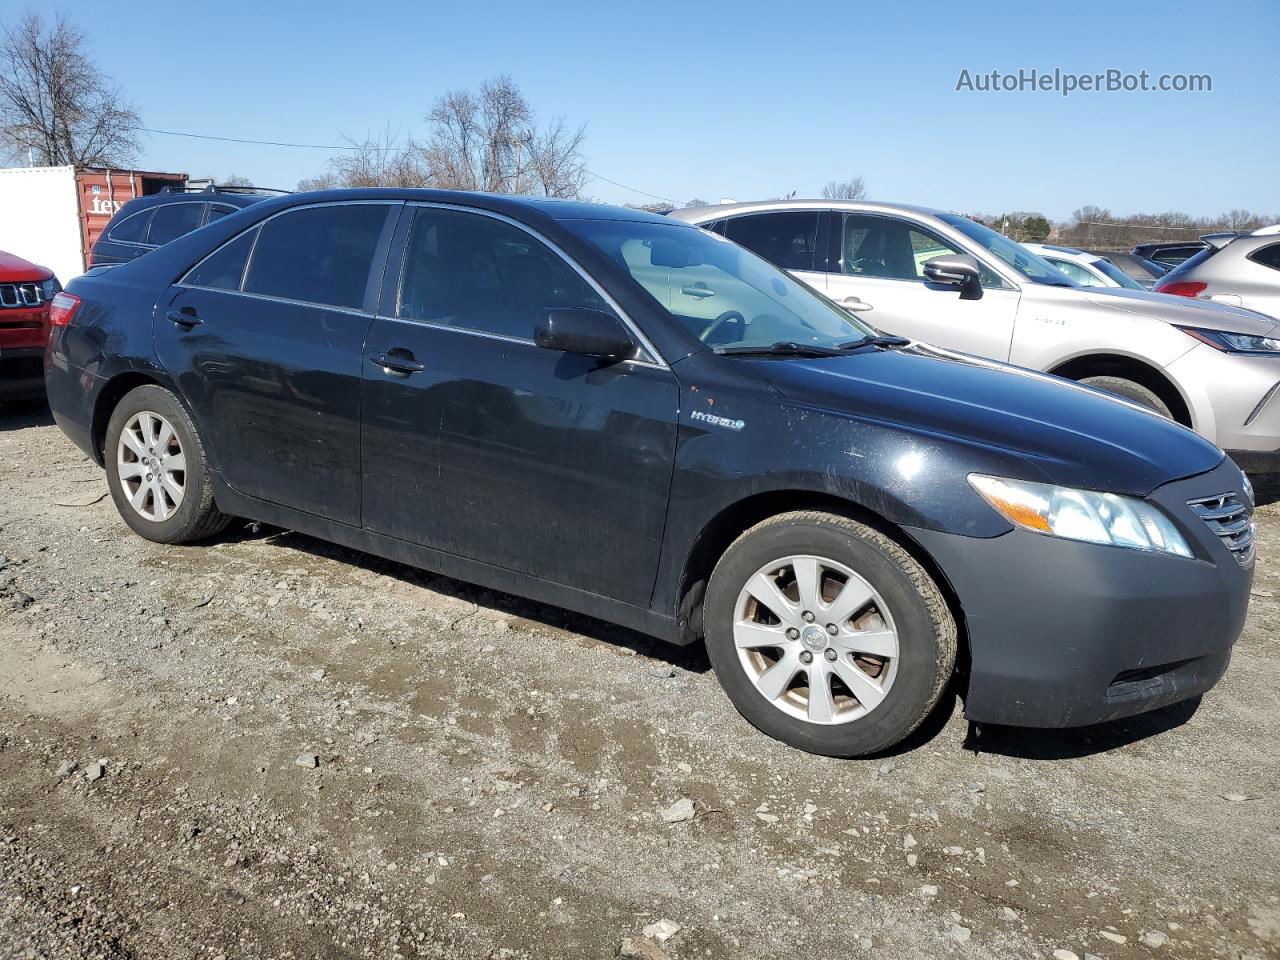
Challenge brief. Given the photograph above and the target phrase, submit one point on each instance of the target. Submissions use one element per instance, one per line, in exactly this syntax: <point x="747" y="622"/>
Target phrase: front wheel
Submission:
<point x="157" y="469"/>
<point x="1132" y="391"/>
<point x="828" y="635"/>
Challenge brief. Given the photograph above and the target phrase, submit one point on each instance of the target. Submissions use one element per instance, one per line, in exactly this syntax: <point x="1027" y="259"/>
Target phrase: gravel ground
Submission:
<point x="267" y="746"/>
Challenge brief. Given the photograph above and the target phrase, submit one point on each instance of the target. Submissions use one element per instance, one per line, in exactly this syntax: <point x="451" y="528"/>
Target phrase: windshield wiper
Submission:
<point x="783" y="348"/>
<point x="883" y="340"/>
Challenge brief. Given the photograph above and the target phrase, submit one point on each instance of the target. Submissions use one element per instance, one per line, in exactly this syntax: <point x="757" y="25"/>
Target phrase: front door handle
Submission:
<point x="398" y="361"/>
<point x="855" y="305"/>
<point x="186" y="317"/>
<point x="696" y="291"/>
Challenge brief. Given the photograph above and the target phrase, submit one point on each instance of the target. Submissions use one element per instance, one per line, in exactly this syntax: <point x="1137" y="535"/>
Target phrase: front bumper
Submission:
<point x="21" y="373"/>
<point x="1235" y="402"/>
<point x="1063" y="633"/>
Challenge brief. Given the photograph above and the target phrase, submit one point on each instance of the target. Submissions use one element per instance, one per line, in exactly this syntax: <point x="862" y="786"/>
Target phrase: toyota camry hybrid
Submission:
<point x="642" y="421"/>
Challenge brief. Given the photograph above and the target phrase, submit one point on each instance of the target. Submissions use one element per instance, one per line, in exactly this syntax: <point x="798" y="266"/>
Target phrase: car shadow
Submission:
<point x="1027" y="743"/>
<point x="21" y="414"/>
<point x="692" y="658"/>
<point x="1266" y="488"/>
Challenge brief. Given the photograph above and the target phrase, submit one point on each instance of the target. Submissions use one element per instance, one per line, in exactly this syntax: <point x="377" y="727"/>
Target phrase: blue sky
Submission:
<point x="735" y="99"/>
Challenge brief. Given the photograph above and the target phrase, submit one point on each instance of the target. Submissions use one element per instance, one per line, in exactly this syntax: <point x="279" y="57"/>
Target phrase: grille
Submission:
<point x="1231" y="520"/>
<point x="20" y="295"/>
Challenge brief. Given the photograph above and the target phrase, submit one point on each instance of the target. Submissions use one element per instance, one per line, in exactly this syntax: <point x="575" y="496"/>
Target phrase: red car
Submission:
<point x="25" y="292"/>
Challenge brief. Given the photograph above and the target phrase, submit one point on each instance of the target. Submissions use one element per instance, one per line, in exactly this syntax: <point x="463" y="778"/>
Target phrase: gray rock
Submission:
<point x="67" y="767"/>
<point x="661" y="673"/>
<point x="1155" y="938"/>
<point x="678" y="812"/>
<point x="95" y="771"/>
<point x="308" y="760"/>
<point x="959" y="933"/>
<point x="318" y="674"/>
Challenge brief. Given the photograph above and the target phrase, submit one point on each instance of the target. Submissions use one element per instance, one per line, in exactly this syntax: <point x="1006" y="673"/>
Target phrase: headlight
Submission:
<point x="1233" y="342"/>
<point x="1081" y="514"/>
<point x="49" y="287"/>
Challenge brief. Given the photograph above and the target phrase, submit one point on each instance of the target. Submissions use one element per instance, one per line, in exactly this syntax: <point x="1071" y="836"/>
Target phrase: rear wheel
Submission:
<point x="828" y="635"/>
<point x="1130" y="390"/>
<point x="157" y="470"/>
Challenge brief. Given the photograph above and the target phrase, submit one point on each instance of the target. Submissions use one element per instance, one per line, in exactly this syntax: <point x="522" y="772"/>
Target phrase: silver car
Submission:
<point x="944" y="279"/>
<point x="1242" y="273"/>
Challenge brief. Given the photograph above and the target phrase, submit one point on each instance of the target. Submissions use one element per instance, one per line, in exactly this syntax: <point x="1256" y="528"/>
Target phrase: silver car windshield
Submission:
<point x="1032" y="266"/>
<point x="1115" y="273"/>
<point x="724" y="295"/>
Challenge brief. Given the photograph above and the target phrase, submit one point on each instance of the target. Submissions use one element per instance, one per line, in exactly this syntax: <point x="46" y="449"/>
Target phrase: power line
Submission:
<point x="349" y="146"/>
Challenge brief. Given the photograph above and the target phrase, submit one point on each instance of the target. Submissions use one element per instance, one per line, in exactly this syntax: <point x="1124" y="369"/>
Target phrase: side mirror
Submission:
<point x="592" y="333"/>
<point x="958" y="270"/>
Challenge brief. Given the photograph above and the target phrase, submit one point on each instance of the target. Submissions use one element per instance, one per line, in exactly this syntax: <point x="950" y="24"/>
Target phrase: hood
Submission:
<point x="1071" y="434"/>
<point x="1181" y="311"/>
<point x="16" y="270"/>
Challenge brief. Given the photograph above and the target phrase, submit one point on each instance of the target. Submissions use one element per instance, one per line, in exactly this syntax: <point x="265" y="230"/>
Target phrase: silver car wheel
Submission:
<point x="151" y="466"/>
<point x="816" y="639"/>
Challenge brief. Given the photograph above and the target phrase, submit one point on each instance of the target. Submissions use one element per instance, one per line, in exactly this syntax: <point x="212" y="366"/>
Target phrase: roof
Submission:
<point x="550" y="207"/>
<point x="716" y="211"/>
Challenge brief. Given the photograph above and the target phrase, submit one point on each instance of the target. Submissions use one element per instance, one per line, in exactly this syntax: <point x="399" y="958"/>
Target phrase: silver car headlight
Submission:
<point x="1081" y="514"/>
<point x="49" y="287"/>
<point x="1234" y="342"/>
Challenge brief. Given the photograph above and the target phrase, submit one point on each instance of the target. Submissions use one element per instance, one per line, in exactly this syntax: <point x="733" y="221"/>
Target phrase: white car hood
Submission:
<point x="1182" y="311"/>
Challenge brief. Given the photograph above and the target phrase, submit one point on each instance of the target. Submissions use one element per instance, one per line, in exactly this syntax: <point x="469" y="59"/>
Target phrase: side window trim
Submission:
<point x="388" y="309"/>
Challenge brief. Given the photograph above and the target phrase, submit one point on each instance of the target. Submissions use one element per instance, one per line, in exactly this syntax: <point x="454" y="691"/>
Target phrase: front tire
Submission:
<point x="827" y="635"/>
<point x="1131" y="390"/>
<point x="157" y="469"/>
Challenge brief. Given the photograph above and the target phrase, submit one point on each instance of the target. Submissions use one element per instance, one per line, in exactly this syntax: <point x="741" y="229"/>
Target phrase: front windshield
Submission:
<point x="1032" y="266"/>
<point x="723" y="294"/>
<point x="1103" y="265"/>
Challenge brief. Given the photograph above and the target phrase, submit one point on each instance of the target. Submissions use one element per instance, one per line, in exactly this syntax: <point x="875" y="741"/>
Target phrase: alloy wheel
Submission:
<point x="816" y="639"/>
<point x="151" y="466"/>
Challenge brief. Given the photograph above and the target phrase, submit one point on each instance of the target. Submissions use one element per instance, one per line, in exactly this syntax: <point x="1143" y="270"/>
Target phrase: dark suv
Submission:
<point x="147" y="222"/>
<point x="642" y="421"/>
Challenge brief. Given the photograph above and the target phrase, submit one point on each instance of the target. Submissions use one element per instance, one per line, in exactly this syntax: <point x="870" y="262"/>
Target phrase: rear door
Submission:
<point x="877" y="271"/>
<point x="790" y="239"/>
<point x="481" y="444"/>
<point x="265" y="338"/>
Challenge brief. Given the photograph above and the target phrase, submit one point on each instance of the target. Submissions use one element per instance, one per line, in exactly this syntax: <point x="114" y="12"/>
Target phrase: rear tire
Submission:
<point x="157" y="469"/>
<point x="838" y="673"/>
<point x="1130" y="390"/>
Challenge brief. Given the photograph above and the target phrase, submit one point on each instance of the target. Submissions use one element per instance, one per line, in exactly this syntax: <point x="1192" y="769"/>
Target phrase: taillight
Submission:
<point x="1182" y="288"/>
<point x="61" y="308"/>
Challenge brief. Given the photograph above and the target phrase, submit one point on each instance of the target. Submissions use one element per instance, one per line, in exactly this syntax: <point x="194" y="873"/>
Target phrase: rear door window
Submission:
<point x="173" y="220"/>
<point x="787" y="240"/>
<point x="224" y="268"/>
<point x="131" y="229"/>
<point x="217" y="211"/>
<point x="320" y="255"/>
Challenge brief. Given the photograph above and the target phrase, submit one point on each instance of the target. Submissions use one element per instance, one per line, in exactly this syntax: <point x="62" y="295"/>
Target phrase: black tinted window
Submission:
<point x="131" y="228"/>
<point x="472" y="271"/>
<point x="318" y="254"/>
<point x="788" y="240"/>
<point x="173" y="220"/>
<point x="223" y="269"/>
<point x="217" y="212"/>
<point x="1268" y="256"/>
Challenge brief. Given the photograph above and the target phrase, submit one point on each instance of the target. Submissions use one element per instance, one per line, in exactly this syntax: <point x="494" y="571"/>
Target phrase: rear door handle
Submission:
<point x="398" y="361"/>
<point x="699" y="292"/>
<point x="186" y="317"/>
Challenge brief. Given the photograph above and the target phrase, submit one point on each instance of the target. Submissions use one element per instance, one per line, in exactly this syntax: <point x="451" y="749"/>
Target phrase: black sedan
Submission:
<point x="639" y="420"/>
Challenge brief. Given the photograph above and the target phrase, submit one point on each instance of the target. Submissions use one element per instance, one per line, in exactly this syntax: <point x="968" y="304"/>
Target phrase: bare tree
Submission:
<point x="372" y="162"/>
<point x="854" y="188"/>
<point x="56" y="106"/>
<point x="490" y="141"/>
<point x="235" y="180"/>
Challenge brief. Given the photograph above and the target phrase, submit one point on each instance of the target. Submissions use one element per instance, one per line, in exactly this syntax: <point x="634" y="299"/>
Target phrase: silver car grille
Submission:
<point x="20" y="295"/>
<point x="1231" y="520"/>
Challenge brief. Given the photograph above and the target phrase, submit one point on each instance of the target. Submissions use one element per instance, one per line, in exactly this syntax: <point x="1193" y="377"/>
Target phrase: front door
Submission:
<point x="481" y="444"/>
<point x="265" y="339"/>
<point x="877" y="272"/>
